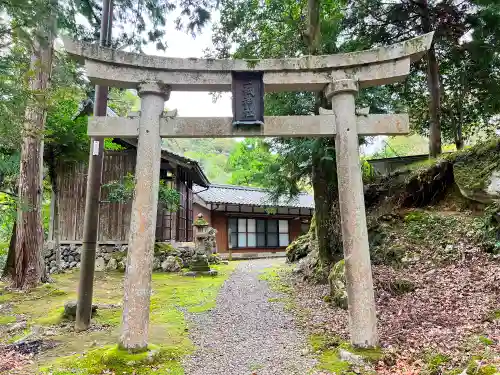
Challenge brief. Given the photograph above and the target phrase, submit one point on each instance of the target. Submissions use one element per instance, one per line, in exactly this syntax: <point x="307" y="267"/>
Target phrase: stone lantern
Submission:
<point x="199" y="263"/>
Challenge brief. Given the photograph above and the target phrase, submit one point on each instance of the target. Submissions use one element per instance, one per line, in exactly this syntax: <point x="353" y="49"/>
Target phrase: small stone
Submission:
<point x="304" y="352"/>
<point x="107" y="257"/>
<point x="77" y="257"/>
<point x="226" y="262"/>
<point x="156" y="264"/>
<point x="121" y="266"/>
<point x="190" y="273"/>
<point x="77" y="265"/>
<point x="73" y="264"/>
<point x="17" y="327"/>
<point x="171" y="264"/>
<point x="70" y="310"/>
<point x="53" y="263"/>
<point x="53" y="270"/>
<point x="353" y="359"/>
<point x="112" y="265"/>
<point x="50" y="332"/>
<point x="64" y="265"/>
<point x="100" y="264"/>
<point x="71" y="258"/>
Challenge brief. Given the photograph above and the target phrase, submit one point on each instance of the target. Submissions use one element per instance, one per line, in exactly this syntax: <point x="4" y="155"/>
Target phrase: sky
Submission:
<point x="192" y="104"/>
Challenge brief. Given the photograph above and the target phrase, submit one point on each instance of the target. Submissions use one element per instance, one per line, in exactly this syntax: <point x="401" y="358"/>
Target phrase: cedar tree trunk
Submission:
<point x="29" y="241"/>
<point x="326" y="202"/>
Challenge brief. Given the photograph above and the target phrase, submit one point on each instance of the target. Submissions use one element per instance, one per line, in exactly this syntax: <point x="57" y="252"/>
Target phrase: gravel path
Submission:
<point x="245" y="333"/>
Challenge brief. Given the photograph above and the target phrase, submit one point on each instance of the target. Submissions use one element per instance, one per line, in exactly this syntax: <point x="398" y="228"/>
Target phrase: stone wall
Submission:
<point x="169" y="257"/>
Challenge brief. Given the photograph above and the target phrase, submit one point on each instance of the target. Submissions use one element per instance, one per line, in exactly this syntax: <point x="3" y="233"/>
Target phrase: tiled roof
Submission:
<point x="230" y="194"/>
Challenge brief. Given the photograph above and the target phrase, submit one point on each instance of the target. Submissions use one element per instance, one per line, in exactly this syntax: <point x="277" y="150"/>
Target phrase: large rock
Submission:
<point x="299" y="248"/>
<point x="70" y="310"/>
<point x="171" y="264"/>
<point x="100" y="264"/>
<point x="337" y="282"/>
<point x="477" y="172"/>
<point x="112" y="265"/>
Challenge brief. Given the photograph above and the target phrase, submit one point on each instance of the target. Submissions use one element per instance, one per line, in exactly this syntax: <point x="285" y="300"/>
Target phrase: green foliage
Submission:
<point x="250" y="162"/>
<point x="122" y="191"/>
<point x="434" y="363"/>
<point x="466" y="44"/>
<point x="490" y="228"/>
<point x="171" y="198"/>
<point x="111" y="146"/>
<point x="122" y="102"/>
<point x="211" y="153"/>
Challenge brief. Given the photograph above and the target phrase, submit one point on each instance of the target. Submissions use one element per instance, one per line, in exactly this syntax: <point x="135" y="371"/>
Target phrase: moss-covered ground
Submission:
<point x="324" y="347"/>
<point x="95" y="351"/>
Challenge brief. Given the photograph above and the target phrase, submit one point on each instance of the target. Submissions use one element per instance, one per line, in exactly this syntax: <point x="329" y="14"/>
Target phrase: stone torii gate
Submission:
<point x="340" y="76"/>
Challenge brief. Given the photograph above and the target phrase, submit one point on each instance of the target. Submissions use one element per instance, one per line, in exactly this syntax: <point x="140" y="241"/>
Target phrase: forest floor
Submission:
<point x="55" y="348"/>
<point x="437" y="295"/>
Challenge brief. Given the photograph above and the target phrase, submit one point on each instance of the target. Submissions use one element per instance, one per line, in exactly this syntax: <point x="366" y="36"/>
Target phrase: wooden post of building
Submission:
<point x="137" y="286"/>
<point x="359" y="283"/>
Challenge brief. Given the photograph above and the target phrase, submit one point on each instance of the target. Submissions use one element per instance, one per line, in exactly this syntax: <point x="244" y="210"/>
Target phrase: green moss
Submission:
<point x="485" y="340"/>
<point x="368" y="354"/>
<point x="200" y="221"/>
<point x="112" y="317"/>
<point x="434" y="362"/>
<point x="171" y="294"/>
<point x="330" y="361"/>
<point x="473" y="166"/>
<point x="112" y="359"/>
<point x="7" y="319"/>
<point x="18" y="336"/>
<point x="326" y="349"/>
<point x="475" y="368"/>
<point x="495" y="315"/>
<point x="275" y="277"/>
<point x="163" y="248"/>
<point x="52" y="317"/>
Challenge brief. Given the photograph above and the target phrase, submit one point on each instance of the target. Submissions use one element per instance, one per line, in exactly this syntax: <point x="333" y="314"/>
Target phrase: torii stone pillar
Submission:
<point x="137" y="286"/>
<point x="340" y="75"/>
<point x="358" y="273"/>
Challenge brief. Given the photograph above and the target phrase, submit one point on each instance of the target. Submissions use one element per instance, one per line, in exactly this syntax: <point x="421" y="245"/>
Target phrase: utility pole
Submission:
<point x="91" y="220"/>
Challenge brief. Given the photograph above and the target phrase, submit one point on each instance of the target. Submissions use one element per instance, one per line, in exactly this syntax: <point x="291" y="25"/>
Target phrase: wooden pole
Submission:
<point x="359" y="283"/>
<point x="91" y="219"/>
<point x="137" y="286"/>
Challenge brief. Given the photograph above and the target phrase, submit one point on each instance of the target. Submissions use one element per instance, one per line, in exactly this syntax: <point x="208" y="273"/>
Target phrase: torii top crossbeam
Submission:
<point x="378" y="66"/>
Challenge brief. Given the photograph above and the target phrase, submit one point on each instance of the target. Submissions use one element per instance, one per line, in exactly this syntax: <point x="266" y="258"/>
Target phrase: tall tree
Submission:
<point x="250" y="163"/>
<point x="289" y="29"/>
<point x="29" y="235"/>
<point x="461" y="65"/>
<point x="34" y="24"/>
